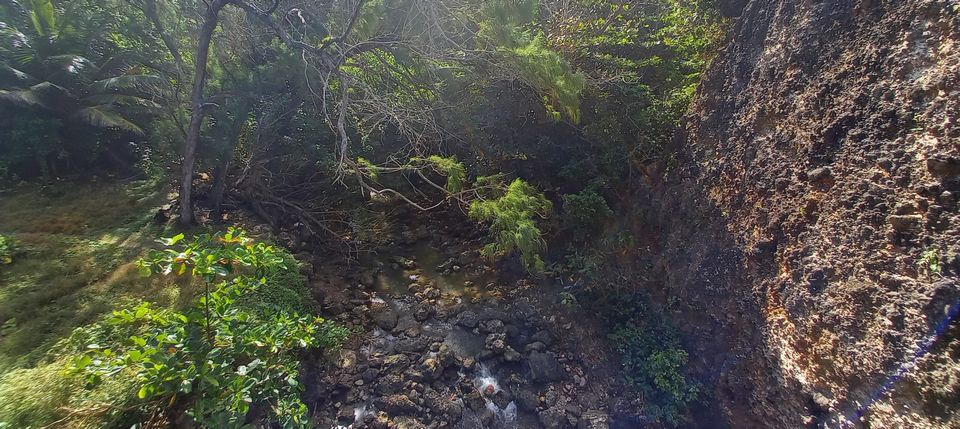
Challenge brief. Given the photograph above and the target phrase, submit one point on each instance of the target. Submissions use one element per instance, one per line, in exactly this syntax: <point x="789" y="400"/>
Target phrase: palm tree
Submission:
<point x="38" y="69"/>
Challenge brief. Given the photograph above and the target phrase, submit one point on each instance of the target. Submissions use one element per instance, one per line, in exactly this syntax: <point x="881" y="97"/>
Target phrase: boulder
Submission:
<point x="468" y="319"/>
<point x="544" y="367"/>
<point x="553" y="418"/>
<point x="396" y="405"/>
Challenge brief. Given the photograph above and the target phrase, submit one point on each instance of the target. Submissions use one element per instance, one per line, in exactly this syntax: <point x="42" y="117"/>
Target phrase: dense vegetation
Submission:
<point x="531" y="117"/>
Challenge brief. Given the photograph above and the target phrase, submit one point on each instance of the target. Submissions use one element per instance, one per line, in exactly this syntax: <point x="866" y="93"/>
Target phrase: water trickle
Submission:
<point x="505" y="417"/>
<point x="486" y="382"/>
<point x="358" y="413"/>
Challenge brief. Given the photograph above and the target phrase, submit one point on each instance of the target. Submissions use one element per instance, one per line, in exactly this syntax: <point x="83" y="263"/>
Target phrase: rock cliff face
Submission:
<point x="811" y="221"/>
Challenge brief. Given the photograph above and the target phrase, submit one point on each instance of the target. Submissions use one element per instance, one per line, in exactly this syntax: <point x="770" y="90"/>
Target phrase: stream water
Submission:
<point x="459" y="279"/>
<point x="453" y="282"/>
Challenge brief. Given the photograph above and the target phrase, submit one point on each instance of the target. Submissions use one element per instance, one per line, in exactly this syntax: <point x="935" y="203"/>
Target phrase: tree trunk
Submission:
<point x="197" y="111"/>
<point x="223" y="165"/>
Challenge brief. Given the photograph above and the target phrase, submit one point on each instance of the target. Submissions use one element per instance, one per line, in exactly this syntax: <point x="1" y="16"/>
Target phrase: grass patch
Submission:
<point x="76" y="245"/>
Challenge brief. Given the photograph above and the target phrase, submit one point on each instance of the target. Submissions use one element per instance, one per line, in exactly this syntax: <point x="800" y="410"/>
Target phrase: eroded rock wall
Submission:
<point x="818" y="174"/>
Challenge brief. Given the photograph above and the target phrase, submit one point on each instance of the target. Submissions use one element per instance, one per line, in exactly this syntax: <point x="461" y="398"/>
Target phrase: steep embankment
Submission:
<point x="818" y="177"/>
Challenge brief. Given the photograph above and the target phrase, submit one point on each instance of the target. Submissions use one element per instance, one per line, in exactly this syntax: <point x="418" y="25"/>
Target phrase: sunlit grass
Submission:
<point x="76" y="250"/>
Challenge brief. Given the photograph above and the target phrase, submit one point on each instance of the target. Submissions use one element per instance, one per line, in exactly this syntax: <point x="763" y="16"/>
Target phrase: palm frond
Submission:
<point x="16" y="45"/>
<point x="44" y="17"/>
<point x="68" y="70"/>
<point x="142" y="83"/>
<point x="103" y="116"/>
<point x="122" y="100"/>
<point x="20" y="16"/>
<point x="45" y="95"/>
<point x="74" y="65"/>
<point x="23" y="97"/>
<point x="114" y="66"/>
<point x="10" y="76"/>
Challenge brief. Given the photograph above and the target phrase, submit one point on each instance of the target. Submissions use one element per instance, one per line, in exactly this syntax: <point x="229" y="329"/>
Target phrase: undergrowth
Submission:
<point x="585" y="211"/>
<point x="653" y="360"/>
<point x="237" y="347"/>
<point x="6" y="250"/>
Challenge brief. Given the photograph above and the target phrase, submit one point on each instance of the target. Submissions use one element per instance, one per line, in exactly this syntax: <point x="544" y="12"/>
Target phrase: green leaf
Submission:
<point x="143" y="269"/>
<point x="82" y="362"/>
<point x="172" y="240"/>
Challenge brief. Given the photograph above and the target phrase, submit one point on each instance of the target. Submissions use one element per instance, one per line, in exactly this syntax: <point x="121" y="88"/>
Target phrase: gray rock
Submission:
<point x="543" y="337"/>
<point x="496" y="343"/>
<point x="492" y="325"/>
<point x="396" y="405"/>
<point x="390" y="384"/>
<point x="544" y="367"/>
<point x="943" y="166"/>
<point x="820" y="176"/>
<point x="345" y="415"/>
<point x="536" y="345"/>
<point x="553" y="418"/>
<point x="396" y="363"/>
<point x="527" y="399"/>
<point x="904" y="223"/>
<point x="511" y="355"/>
<point x="368" y="278"/>
<point x="468" y="319"/>
<point x="469" y="420"/>
<point x="594" y="419"/>
<point x="422" y="312"/>
<point x="386" y="318"/>
<point x="474" y="401"/>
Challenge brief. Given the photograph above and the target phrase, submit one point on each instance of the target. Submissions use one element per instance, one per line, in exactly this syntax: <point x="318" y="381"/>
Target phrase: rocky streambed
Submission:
<point x="443" y="341"/>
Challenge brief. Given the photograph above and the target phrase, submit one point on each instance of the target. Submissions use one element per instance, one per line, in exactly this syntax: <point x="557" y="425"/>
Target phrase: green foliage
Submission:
<point x="368" y="168"/>
<point x="547" y="71"/>
<point x="585" y="210"/>
<point x="220" y="356"/>
<point x="653" y="362"/>
<point x="511" y="27"/>
<point x="284" y="290"/>
<point x="7" y="248"/>
<point x="64" y="73"/>
<point x="930" y="261"/>
<point x="648" y="58"/>
<point x="455" y="172"/>
<point x="43" y="71"/>
<point x="513" y="216"/>
<point x="33" y="144"/>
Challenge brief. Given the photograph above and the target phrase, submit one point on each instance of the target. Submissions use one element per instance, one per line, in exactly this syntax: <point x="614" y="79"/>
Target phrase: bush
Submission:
<point x="32" y="144"/>
<point x="654" y="362"/>
<point x="513" y="222"/>
<point x="584" y="211"/>
<point x="284" y="290"/>
<point x="228" y="352"/>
